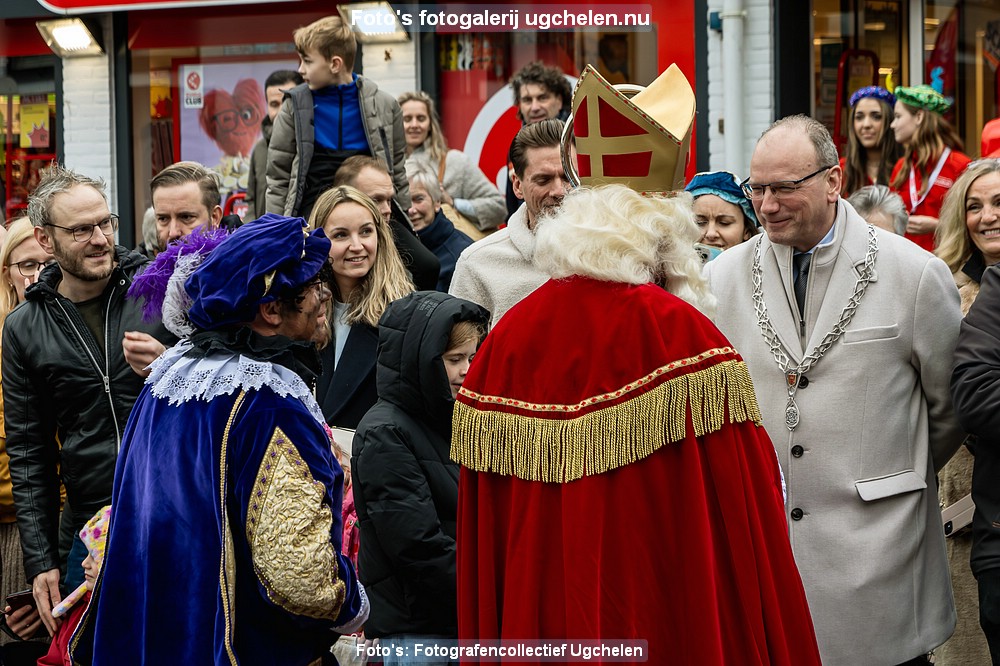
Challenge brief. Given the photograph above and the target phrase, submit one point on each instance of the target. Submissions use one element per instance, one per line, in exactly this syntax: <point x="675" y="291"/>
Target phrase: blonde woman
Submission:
<point x="463" y="184"/>
<point x="21" y="261"/>
<point x="968" y="240"/>
<point x="365" y="274"/>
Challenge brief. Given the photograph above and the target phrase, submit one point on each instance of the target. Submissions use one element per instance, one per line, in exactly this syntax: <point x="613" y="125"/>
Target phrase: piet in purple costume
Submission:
<point x="225" y="543"/>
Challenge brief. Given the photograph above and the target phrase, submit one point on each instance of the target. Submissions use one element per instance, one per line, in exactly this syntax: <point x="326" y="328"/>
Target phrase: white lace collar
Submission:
<point x="178" y="378"/>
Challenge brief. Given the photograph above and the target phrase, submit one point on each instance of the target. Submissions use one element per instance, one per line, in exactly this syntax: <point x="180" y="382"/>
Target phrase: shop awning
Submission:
<point x="89" y="6"/>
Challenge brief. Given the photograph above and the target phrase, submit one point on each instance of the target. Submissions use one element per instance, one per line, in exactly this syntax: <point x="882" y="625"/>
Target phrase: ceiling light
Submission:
<point x="373" y="22"/>
<point x="69" y="37"/>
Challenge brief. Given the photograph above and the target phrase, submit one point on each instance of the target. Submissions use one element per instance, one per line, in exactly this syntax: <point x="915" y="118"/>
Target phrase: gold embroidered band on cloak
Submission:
<point x="288" y="528"/>
<point x="227" y="559"/>
<point x="541" y="444"/>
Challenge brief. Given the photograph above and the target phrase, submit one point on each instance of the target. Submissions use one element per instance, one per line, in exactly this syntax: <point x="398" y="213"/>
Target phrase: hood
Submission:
<point x="413" y="335"/>
<point x="126" y="261"/>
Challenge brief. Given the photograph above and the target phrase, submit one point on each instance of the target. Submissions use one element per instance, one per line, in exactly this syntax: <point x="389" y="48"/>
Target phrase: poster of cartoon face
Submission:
<point x="221" y="109"/>
<point x="233" y="120"/>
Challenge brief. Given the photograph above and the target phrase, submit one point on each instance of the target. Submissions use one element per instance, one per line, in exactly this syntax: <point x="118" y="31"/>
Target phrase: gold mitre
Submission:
<point x="642" y="142"/>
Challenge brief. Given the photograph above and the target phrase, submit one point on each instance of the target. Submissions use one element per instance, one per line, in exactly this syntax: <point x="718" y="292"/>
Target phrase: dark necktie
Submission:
<point x="800" y="265"/>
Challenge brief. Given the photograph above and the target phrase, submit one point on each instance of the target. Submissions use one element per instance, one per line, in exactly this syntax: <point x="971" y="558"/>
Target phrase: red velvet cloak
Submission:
<point x="660" y="516"/>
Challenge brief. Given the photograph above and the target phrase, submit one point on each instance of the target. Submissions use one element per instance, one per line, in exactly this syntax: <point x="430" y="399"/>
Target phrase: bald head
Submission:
<point x="796" y="177"/>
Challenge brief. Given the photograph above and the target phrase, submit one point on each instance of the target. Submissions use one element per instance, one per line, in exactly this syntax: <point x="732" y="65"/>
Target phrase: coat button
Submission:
<point x="797" y="451"/>
<point x="803" y="381"/>
<point x="796" y="514"/>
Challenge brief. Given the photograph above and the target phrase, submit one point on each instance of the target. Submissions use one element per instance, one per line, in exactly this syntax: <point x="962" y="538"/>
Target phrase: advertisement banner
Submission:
<point x="35" y="125"/>
<point x="220" y="111"/>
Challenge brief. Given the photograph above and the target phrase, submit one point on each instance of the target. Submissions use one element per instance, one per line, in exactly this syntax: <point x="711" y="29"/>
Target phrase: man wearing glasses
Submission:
<point x="68" y="389"/>
<point x="849" y="333"/>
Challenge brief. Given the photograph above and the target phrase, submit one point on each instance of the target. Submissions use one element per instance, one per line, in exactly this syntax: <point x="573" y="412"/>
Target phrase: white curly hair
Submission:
<point x="614" y="234"/>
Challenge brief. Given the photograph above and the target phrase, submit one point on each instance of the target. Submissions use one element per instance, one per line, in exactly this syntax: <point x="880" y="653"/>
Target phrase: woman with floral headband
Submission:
<point x="933" y="160"/>
<point x="872" y="150"/>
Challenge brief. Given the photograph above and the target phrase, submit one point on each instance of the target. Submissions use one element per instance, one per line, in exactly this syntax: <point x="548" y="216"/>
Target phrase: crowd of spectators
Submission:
<point x="841" y="280"/>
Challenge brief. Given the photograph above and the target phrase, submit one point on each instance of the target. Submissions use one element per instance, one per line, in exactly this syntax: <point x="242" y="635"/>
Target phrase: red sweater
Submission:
<point x="931" y="205"/>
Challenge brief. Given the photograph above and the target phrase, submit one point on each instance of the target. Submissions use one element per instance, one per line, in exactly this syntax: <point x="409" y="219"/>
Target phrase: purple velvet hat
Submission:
<point x="262" y="261"/>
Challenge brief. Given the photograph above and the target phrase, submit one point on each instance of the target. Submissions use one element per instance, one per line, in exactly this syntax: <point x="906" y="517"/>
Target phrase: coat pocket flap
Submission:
<point x="887" y="486"/>
<point x="873" y="333"/>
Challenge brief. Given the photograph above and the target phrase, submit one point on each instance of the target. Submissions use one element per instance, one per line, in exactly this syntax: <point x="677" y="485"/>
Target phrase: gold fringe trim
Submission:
<point x="560" y="450"/>
<point x="636" y="385"/>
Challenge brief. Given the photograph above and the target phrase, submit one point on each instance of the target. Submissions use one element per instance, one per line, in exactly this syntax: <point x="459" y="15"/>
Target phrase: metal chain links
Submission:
<point x="809" y="360"/>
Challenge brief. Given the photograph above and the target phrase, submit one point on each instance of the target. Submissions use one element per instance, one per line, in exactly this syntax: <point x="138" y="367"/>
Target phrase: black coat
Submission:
<point x="446" y="242"/>
<point x="405" y="484"/>
<point x="57" y="380"/>
<point x="347" y="392"/>
<point x="975" y="389"/>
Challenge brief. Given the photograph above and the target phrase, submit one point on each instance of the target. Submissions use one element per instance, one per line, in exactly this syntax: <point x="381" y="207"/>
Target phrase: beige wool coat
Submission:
<point x="499" y="270"/>
<point x="876" y="424"/>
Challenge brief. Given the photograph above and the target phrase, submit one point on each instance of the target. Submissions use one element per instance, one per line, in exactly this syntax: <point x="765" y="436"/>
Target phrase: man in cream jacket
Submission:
<point x="498" y="271"/>
<point x="849" y="334"/>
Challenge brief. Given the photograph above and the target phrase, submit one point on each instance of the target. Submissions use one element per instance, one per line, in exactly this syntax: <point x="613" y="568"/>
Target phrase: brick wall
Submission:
<point x="758" y="84"/>
<point x="89" y="148"/>
<point x="396" y="75"/>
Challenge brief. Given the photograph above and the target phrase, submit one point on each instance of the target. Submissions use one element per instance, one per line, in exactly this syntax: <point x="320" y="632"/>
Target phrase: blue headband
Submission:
<point x="725" y="186"/>
<point x="878" y="92"/>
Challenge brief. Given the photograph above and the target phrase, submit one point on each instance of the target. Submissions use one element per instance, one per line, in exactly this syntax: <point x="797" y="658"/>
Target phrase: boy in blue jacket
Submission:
<point x="333" y="115"/>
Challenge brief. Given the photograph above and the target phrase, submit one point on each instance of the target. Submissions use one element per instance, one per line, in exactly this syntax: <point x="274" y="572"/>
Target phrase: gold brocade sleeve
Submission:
<point x="288" y="529"/>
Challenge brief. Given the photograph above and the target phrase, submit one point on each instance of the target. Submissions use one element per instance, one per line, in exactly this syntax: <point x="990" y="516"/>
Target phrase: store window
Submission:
<point x="856" y="43"/>
<point x="29" y="131"/>
<point x="197" y="80"/>
<point x="962" y="56"/>
<point x="177" y="57"/>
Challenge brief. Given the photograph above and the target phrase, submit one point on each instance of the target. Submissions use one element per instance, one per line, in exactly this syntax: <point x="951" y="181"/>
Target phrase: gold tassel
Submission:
<point x="561" y="450"/>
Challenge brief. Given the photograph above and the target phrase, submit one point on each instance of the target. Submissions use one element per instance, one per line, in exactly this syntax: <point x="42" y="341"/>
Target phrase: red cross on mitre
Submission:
<point x="642" y="142"/>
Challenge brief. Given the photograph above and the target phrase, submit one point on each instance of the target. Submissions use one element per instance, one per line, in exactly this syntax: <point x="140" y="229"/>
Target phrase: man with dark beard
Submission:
<point x="68" y="389"/>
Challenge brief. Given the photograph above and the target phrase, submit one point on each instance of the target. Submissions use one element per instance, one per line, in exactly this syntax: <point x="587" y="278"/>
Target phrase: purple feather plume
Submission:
<point x="151" y="284"/>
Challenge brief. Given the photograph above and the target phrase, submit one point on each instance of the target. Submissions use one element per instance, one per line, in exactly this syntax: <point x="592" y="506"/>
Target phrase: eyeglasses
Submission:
<point x="29" y="268"/>
<point x="315" y="285"/>
<point x="85" y="232"/>
<point x="227" y="120"/>
<point x="781" y="188"/>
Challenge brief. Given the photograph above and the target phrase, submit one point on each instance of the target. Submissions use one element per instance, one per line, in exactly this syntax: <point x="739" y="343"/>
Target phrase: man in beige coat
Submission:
<point x="852" y="377"/>
<point x="499" y="270"/>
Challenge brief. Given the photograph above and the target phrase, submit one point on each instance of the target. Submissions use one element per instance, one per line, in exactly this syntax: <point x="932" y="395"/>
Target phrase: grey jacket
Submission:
<point x="257" y="180"/>
<point x="293" y="143"/>
<point x="474" y="195"/>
